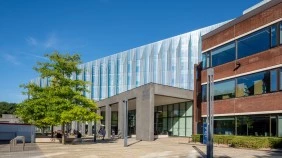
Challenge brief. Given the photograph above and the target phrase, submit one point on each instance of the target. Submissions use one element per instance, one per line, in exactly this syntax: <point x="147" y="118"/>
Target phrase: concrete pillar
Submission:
<point x="82" y="128"/>
<point x="73" y="126"/>
<point x="108" y="121"/>
<point x="98" y="122"/>
<point x="145" y="114"/>
<point x="120" y="118"/>
<point x="90" y="128"/>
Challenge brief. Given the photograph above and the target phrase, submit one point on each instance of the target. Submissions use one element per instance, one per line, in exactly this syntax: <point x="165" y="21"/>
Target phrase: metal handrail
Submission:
<point x="13" y="142"/>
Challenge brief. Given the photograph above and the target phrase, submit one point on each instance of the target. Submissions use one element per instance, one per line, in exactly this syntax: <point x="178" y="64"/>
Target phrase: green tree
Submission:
<point x="62" y="101"/>
<point x="7" y="108"/>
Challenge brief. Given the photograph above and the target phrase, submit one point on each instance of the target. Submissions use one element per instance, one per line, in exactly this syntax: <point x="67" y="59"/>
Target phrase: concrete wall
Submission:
<point x="145" y="97"/>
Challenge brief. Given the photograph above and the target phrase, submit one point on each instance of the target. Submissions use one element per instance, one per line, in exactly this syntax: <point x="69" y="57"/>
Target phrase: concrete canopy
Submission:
<point x="143" y="99"/>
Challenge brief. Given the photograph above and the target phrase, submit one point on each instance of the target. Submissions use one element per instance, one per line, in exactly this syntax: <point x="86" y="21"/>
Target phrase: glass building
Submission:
<point x="168" y="62"/>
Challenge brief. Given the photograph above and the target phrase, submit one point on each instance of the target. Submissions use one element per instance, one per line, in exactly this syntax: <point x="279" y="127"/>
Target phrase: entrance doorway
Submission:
<point x="131" y="122"/>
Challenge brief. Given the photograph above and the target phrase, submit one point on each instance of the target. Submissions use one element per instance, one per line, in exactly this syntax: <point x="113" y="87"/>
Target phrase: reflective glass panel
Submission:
<point x="258" y="83"/>
<point x="273" y="35"/>
<point x="188" y="126"/>
<point x="280" y="79"/>
<point x="204" y="93"/>
<point x="206" y="60"/>
<point x="273" y="80"/>
<point x="281" y="33"/>
<point x="224" y="89"/>
<point x="254" y="43"/>
<point x="223" y="54"/>
<point x="182" y="109"/>
<point x="182" y="126"/>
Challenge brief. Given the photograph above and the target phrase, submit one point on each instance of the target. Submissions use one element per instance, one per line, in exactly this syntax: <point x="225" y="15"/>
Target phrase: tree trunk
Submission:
<point x="63" y="134"/>
<point x="52" y="133"/>
<point x="42" y="131"/>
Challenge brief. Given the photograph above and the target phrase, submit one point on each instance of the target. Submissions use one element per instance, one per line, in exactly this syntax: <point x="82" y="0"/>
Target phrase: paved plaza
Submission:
<point x="165" y="147"/>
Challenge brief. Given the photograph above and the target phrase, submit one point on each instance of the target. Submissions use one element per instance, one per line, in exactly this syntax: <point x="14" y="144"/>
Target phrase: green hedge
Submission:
<point x="244" y="141"/>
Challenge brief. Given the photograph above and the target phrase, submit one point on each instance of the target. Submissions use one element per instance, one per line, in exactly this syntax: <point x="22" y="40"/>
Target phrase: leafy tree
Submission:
<point x="62" y="101"/>
<point x="7" y="108"/>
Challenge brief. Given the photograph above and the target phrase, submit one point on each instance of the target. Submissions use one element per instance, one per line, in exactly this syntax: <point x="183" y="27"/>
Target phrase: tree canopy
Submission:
<point x="7" y="108"/>
<point x="61" y="101"/>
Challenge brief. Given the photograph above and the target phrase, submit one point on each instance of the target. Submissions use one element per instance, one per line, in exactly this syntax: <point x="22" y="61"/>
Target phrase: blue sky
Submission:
<point x="94" y="28"/>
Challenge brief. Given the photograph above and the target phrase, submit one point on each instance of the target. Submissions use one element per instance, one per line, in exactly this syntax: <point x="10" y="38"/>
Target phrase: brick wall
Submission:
<point x="245" y="26"/>
<point x="257" y="61"/>
<point x="257" y="103"/>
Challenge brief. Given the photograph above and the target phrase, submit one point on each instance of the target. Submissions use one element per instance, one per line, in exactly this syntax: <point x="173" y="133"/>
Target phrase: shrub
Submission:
<point x="244" y="141"/>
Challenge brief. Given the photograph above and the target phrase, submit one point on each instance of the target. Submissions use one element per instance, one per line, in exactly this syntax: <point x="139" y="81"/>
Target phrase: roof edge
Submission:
<point x="242" y="18"/>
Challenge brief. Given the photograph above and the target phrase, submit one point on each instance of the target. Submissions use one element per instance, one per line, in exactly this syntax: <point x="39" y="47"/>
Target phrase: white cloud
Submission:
<point x="51" y="42"/>
<point x="35" y="56"/>
<point x="31" y="41"/>
<point x="11" y="59"/>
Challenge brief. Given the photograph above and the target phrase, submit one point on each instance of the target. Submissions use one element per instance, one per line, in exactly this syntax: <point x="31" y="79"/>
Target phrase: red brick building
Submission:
<point x="246" y="55"/>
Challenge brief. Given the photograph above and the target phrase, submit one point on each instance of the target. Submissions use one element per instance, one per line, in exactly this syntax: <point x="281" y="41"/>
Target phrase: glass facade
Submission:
<point x="248" y="85"/>
<point x="223" y="54"/>
<point x="256" y="42"/>
<point x="168" y="62"/>
<point x="174" y="119"/>
<point x="251" y="125"/>
<point x="224" y="89"/>
<point x="250" y="44"/>
<point x="258" y="83"/>
<point x="280" y="76"/>
<point x="273" y="80"/>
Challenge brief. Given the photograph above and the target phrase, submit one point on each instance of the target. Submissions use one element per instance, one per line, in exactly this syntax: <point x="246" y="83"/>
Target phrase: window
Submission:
<point x="223" y="54"/>
<point x="280" y="79"/>
<point x="281" y="33"/>
<point x="224" y="89"/>
<point x="206" y="60"/>
<point x="204" y="93"/>
<point x="253" y="84"/>
<point x="273" y="35"/>
<point x="254" y="43"/>
<point x="273" y="80"/>
<point x="224" y="125"/>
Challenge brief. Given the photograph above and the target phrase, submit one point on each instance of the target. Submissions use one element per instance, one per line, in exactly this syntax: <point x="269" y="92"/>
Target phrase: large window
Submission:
<point x="253" y="84"/>
<point x="206" y="60"/>
<point x="250" y="44"/>
<point x="224" y="125"/>
<point x="254" y="43"/>
<point x="273" y="35"/>
<point x="280" y="32"/>
<point x="224" y="89"/>
<point x="178" y="122"/>
<point x="204" y="93"/>
<point x="280" y="79"/>
<point x="223" y="54"/>
<point x="251" y="125"/>
<point x="273" y="80"/>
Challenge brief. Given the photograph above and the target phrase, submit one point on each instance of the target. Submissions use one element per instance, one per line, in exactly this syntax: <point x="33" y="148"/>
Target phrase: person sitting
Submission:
<point x="102" y="132"/>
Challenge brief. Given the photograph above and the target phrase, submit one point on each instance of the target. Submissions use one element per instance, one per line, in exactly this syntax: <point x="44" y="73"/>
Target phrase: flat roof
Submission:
<point x="242" y="18"/>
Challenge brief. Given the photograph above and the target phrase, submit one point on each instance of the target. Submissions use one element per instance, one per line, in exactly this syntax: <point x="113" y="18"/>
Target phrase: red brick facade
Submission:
<point x="245" y="26"/>
<point x="272" y="57"/>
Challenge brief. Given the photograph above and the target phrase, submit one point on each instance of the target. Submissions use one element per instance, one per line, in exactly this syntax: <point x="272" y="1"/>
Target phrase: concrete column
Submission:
<point x="120" y="118"/>
<point x="108" y="121"/>
<point x="145" y="114"/>
<point x="82" y="128"/>
<point x="98" y="122"/>
<point x="90" y="128"/>
<point x="73" y="126"/>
